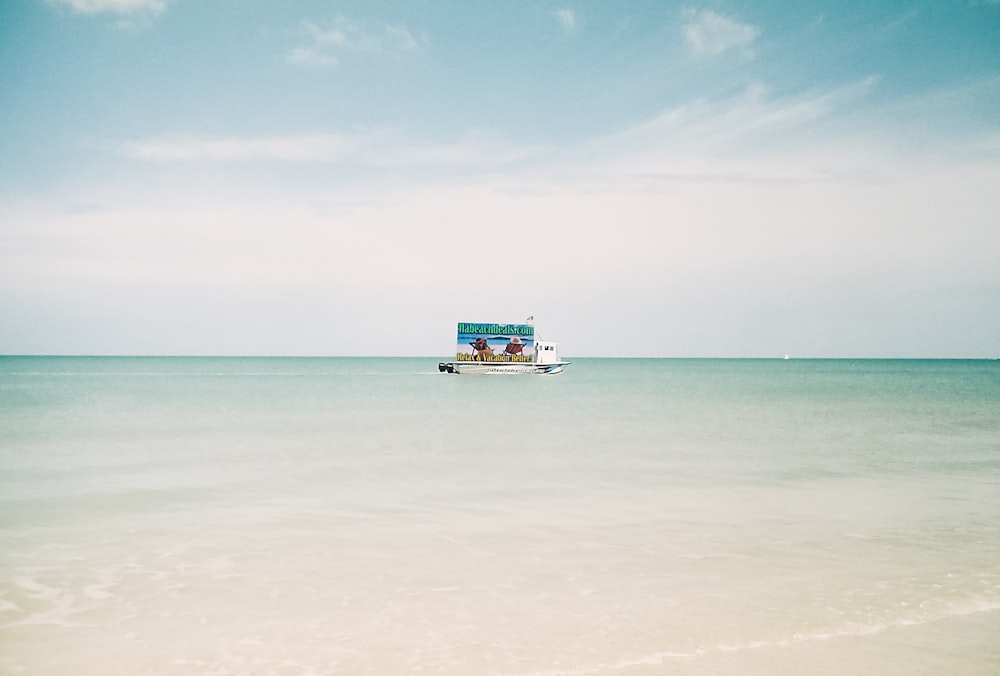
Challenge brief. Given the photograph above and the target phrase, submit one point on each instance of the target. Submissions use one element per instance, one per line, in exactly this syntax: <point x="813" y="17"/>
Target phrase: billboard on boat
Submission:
<point x="495" y="342"/>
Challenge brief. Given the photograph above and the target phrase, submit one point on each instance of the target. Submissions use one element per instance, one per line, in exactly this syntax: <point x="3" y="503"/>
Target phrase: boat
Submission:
<point x="503" y="349"/>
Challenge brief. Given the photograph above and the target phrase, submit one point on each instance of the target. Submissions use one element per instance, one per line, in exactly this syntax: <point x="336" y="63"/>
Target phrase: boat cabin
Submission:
<point x="546" y="352"/>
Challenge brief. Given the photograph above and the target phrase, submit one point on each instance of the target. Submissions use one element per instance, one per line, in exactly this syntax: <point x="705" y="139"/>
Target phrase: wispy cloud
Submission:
<point x="371" y="148"/>
<point x="120" y="7"/>
<point x="319" y="147"/>
<point x="753" y="137"/>
<point x="758" y="111"/>
<point x="566" y="19"/>
<point x="698" y="139"/>
<point x="325" y="44"/>
<point x="902" y="20"/>
<point x="711" y="34"/>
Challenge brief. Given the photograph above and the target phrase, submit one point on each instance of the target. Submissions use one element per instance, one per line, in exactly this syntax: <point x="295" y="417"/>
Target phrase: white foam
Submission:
<point x="7" y="606"/>
<point x="856" y="630"/>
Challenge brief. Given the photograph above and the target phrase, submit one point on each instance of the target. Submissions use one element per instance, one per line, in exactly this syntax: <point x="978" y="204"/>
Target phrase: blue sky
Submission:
<point x="353" y="178"/>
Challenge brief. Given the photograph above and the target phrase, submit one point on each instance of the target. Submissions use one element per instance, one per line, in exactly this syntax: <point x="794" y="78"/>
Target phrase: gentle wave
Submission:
<point x="852" y="630"/>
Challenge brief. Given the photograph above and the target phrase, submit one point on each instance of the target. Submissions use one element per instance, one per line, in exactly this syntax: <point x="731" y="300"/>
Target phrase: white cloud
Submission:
<point x="114" y="6"/>
<point x="320" y="147"/>
<point x="711" y="34"/>
<point x="400" y="37"/>
<point x="764" y="255"/>
<point x="701" y="140"/>
<point x="376" y="148"/>
<point x="312" y="57"/>
<point x="566" y="19"/>
<point x="795" y="226"/>
<point x="737" y="140"/>
<point x="324" y="44"/>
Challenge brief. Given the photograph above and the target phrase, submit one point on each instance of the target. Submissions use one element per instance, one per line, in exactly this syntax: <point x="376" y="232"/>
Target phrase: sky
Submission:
<point x="707" y="178"/>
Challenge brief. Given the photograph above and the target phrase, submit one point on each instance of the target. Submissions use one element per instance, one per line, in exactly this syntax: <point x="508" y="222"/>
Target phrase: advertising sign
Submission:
<point x="495" y="342"/>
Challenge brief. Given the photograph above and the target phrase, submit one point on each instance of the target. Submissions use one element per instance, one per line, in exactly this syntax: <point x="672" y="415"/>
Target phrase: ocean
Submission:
<point x="318" y="516"/>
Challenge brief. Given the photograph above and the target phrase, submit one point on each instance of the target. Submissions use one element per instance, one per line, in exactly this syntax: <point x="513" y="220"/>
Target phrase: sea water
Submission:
<point x="372" y="516"/>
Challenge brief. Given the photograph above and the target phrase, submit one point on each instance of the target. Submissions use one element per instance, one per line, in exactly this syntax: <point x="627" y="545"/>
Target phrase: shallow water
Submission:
<point x="321" y="516"/>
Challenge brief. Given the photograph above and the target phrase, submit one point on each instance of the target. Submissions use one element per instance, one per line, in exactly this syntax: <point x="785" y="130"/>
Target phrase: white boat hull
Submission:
<point x="501" y="368"/>
<point x="544" y="360"/>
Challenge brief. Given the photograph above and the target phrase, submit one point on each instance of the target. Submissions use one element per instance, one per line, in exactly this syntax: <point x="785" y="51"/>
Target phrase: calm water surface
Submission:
<point x="351" y="516"/>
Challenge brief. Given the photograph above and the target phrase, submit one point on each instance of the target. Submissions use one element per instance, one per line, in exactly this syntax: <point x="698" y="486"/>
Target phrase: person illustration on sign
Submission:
<point x="514" y="347"/>
<point x="481" y="349"/>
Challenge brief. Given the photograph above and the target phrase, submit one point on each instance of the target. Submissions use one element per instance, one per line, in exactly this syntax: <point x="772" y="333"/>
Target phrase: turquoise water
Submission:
<point x="315" y="516"/>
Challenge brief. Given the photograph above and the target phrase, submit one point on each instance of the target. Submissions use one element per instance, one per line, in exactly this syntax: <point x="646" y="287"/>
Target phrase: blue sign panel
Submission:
<point x="495" y="342"/>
